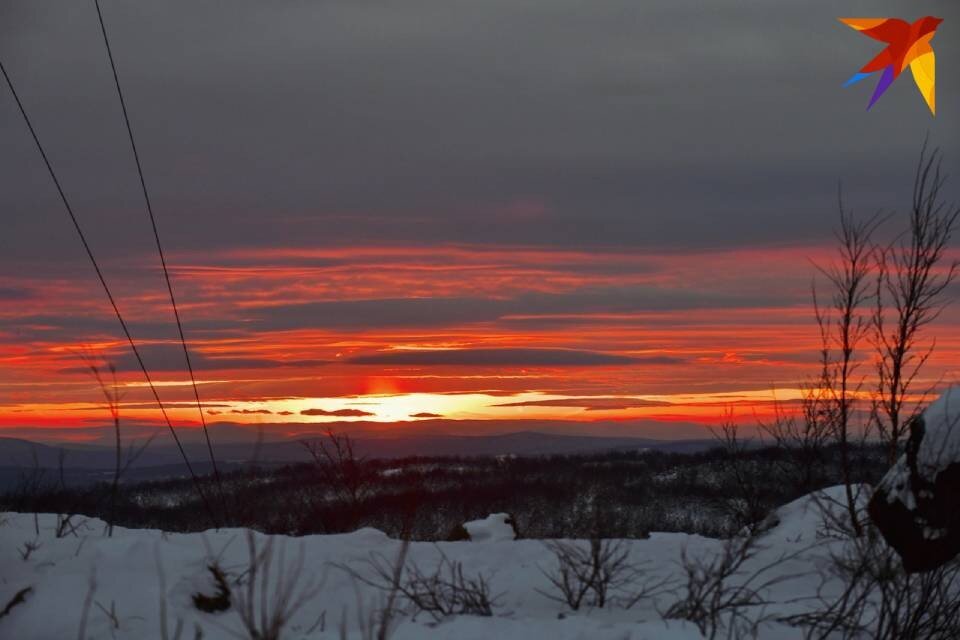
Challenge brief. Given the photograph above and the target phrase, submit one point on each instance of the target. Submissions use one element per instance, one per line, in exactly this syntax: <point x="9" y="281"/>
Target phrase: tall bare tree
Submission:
<point x="345" y="473"/>
<point x="913" y="274"/>
<point x="803" y="437"/>
<point x="113" y="397"/>
<point x="844" y="325"/>
<point x="111" y="394"/>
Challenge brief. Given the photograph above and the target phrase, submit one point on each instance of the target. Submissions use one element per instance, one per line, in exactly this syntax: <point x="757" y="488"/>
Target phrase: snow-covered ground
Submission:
<point x="123" y="585"/>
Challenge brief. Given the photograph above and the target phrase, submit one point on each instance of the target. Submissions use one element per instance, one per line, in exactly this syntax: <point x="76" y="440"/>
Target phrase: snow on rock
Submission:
<point x="940" y="446"/>
<point x="496" y="527"/>
<point x="915" y="506"/>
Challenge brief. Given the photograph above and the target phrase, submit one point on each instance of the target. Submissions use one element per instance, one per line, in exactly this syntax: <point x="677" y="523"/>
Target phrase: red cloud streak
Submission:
<point x="271" y="326"/>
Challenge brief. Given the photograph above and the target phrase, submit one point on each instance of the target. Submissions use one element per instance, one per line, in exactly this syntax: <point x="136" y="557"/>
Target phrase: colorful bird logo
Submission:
<point x="907" y="44"/>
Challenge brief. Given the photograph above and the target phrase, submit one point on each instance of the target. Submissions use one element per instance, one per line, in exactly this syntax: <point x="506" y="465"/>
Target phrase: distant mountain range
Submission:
<point x="86" y="463"/>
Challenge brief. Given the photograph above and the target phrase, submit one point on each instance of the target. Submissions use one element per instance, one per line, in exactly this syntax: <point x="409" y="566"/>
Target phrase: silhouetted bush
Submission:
<point x="547" y="497"/>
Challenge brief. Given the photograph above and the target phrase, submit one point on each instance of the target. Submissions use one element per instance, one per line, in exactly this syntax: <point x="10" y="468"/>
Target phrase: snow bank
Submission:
<point x="138" y="574"/>
<point x="496" y="527"/>
<point x="809" y="518"/>
<point x="580" y="628"/>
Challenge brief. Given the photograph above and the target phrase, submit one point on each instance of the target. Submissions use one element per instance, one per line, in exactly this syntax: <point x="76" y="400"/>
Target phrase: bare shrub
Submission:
<point x="341" y="469"/>
<point x="87" y="602"/>
<point x="29" y="485"/>
<point x="834" y="513"/>
<point x="747" y="504"/>
<point x="909" y="283"/>
<point x="443" y="591"/>
<point x="164" y="621"/>
<point x="374" y="620"/>
<point x="221" y="599"/>
<point x="911" y="290"/>
<point x="878" y="599"/>
<point x="18" y="598"/>
<point x="446" y="591"/>
<point x="377" y="622"/>
<point x="589" y="574"/>
<point x="720" y="596"/>
<point x="271" y="590"/>
<point x="601" y="572"/>
<point x="112" y="396"/>
<point x="110" y="614"/>
<point x="27" y="548"/>
<point x="66" y="525"/>
<point x="803" y="438"/>
<point x="844" y="324"/>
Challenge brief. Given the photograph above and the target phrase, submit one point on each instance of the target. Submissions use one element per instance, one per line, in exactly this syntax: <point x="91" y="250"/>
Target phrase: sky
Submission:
<point x="446" y="216"/>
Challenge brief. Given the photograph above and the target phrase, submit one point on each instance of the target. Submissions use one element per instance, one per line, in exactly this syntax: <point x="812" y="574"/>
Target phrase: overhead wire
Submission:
<point x="160" y="252"/>
<point x="106" y="289"/>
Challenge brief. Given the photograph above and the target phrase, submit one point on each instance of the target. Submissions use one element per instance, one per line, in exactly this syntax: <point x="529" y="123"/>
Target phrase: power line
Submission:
<point x="106" y="288"/>
<point x="163" y="261"/>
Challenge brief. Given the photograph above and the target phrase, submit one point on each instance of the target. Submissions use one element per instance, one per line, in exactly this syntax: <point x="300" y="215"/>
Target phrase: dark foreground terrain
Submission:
<point x="612" y="494"/>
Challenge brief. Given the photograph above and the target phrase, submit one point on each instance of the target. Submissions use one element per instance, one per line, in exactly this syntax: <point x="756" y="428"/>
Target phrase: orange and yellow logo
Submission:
<point x="907" y="45"/>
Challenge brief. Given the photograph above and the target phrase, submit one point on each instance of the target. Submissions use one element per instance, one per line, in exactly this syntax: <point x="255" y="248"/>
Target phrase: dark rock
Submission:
<point x="917" y="504"/>
<point x="457" y="534"/>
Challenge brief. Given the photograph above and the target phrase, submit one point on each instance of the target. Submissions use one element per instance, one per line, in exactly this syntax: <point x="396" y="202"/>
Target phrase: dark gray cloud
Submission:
<point x="167" y="405"/>
<point x="13" y="294"/>
<point x="506" y="357"/>
<point x="59" y="326"/>
<point x="590" y="404"/>
<point x="169" y="357"/>
<point x="425" y="414"/>
<point x="646" y="126"/>
<point x="432" y="312"/>
<point x="340" y="413"/>
<point x="638" y="124"/>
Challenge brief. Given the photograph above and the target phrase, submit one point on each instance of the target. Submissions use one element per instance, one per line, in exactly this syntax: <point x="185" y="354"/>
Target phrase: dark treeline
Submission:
<point x="616" y="494"/>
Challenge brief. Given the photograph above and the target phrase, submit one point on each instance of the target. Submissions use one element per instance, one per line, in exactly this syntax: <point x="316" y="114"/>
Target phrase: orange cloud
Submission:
<point x="595" y="329"/>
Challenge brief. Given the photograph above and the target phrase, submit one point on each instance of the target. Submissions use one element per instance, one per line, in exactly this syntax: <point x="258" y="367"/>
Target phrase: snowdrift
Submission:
<point x="141" y="583"/>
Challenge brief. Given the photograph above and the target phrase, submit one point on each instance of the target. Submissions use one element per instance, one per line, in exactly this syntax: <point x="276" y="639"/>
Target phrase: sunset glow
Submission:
<point x="394" y="336"/>
<point x="475" y="222"/>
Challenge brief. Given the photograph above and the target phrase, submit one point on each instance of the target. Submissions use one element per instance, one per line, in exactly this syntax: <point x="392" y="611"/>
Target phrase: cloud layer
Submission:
<point x="505" y="358"/>
<point x="442" y="197"/>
